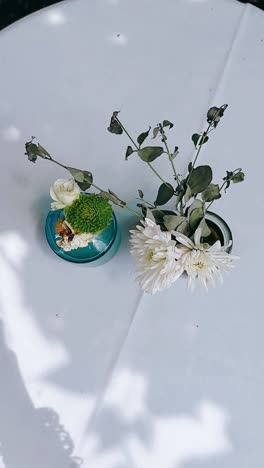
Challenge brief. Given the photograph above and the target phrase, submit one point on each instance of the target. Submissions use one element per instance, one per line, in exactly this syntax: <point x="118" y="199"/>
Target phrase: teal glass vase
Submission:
<point x="99" y="251"/>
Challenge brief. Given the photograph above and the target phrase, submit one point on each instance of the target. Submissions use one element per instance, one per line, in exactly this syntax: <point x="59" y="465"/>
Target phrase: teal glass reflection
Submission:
<point x="102" y="248"/>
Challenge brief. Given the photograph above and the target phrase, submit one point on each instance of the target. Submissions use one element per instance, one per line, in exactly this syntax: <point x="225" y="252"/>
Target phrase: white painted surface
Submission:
<point x="170" y="381"/>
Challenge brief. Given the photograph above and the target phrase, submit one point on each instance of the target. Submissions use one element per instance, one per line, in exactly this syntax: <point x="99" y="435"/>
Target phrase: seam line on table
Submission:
<point x="114" y="364"/>
<point x="227" y="59"/>
<point x="234" y="43"/>
<point x="220" y="80"/>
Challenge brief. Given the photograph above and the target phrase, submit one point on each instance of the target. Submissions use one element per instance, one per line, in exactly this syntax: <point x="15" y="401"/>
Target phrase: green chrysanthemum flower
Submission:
<point x="89" y="213"/>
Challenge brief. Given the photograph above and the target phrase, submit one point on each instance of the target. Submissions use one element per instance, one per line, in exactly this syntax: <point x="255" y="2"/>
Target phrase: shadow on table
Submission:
<point x="29" y="437"/>
<point x="185" y="422"/>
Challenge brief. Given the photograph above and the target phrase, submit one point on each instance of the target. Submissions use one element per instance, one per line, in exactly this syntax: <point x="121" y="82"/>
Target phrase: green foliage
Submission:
<point x="89" y="213"/>
<point x="115" y="126"/>
<point x="111" y="196"/>
<point x="173" y="221"/>
<point x="195" y="204"/>
<point x="212" y="192"/>
<point x="195" y="138"/>
<point x="215" y="113"/>
<point x="129" y="151"/>
<point x="187" y="195"/>
<point x="200" y="178"/>
<point x="206" y="231"/>
<point x="142" y="137"/>
<point x="167" y="123"/>
<point x="83" y="178"/>
<point x="238" y="177"/>
<point x="155" y="132"/>
<point x="165" y="193"/>
<point x="33" y="151"/>
<point x="150" y="153"/>
<point x="195" y="218"/>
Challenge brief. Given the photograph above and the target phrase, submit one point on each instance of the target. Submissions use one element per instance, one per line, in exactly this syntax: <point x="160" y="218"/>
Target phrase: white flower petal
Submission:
<point x="156" y="256"/>
<point x="197" y="236"/>
<point x="184" y="240"/>
<point x="203" y="262"/>
<point x="64" y="191"/>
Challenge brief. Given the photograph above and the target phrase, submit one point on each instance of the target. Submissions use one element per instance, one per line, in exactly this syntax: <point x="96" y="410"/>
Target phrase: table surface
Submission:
<point x="93" y="372"/>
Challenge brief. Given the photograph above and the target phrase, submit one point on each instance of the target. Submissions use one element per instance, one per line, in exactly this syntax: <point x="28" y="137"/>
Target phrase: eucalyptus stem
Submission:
<point x="137" y="147"/>
<point x="198" y="152"/>
<point x="169" y="153"/>
<point x="150" y="204"/>
<point x="131" y="211"/>
<point x="157" y="174"/>
<point x="96" y="187"/>
<point x="129" y="136"/>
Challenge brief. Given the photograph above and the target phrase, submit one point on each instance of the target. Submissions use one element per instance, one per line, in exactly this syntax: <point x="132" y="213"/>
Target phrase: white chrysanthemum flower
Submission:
<point x="155" y="253"/>
<point x="203" y="262"/>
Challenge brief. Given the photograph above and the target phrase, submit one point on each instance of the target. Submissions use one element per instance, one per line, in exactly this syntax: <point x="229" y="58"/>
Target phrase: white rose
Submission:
<point x="64" y="192"/>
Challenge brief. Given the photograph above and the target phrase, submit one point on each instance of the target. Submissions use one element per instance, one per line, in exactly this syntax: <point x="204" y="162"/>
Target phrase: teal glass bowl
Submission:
<point x="99" y="251"/>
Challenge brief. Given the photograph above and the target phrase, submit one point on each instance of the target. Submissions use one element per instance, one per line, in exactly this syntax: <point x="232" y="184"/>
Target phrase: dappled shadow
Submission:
<point x="29" y="436"/>
<point x="127" y="432"/>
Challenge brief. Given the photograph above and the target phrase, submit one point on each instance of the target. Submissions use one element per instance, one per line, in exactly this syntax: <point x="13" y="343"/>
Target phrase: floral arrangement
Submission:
<point x="166" y="243"/>
<point x="84" y="216"/>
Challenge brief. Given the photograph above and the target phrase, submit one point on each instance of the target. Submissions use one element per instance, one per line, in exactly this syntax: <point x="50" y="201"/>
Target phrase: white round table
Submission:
<point x="93" y="372"/>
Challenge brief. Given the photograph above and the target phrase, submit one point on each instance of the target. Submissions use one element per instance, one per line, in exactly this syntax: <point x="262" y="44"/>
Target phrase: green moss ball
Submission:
<point x="89" y="213"/>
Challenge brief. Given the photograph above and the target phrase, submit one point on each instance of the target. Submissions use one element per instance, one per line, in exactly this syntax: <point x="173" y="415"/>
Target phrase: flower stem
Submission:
<point x="169" y="153"/>
<point x="132" y="211"/>
<point x="137" y="148"/>
<point x="96" y="187"/>
<point x="198" y="152"/>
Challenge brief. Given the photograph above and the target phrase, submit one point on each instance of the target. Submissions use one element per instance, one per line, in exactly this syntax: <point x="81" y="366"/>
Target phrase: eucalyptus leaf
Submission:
<point x="150" y="215"/>
<point x="200" y="178"/>
<point x="183" y="228"/>
<point x="114" y="126"/>
<point x="31" y="151"/>
<point x="129" y="151"/>
<point x="111" y="196"/>
<point x="159" y="215"/>
<point x="212" y="192"/>
<point x="77" y="174"/>
<point x="176" y="152"/>
<point x="43" y="153"/>
<point x="142" y="137"/>
<point x="88" y="179"/>
<point x="167" y="123"/>
<point x="83" y="178"/>
<point x="173" y="221"/>
<point x="195" y="218"/>
<point x="195" y="138"/>
<point x="215" y="113"/>
<point x="204" y="139"/>
<point x="155" y="132"/>
<point x="150" y="153"/>
<point x="238" y="177"/>
<point x="166" y="191"/>
<point x="212" y="114"/>
<point x="206" y="231"/>
<point x="196" y="204"/>
<point x="188" y="194"/>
